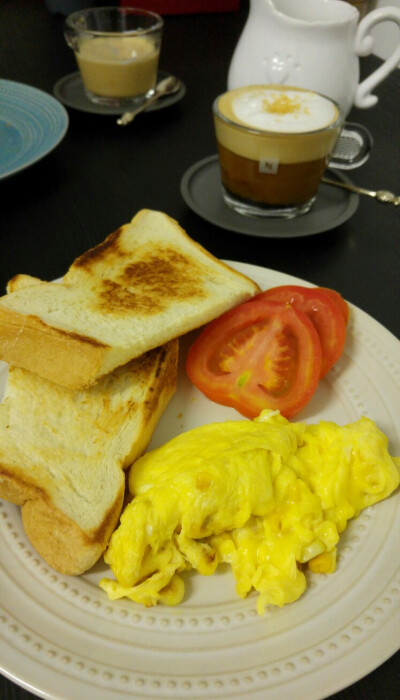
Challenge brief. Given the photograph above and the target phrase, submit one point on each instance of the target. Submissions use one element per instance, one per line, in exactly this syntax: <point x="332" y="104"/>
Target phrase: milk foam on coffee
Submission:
<point x="284" y="123"/>
<point x="116" y="49"/>
<point x="283" y="111"/>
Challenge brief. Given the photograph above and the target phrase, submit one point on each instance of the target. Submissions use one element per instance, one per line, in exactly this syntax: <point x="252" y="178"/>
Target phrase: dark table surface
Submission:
<point x="101" y="175"/>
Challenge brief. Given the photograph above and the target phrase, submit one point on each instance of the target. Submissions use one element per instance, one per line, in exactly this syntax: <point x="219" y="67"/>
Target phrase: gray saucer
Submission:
<point x="201" y="190"/>
<point x="70" y="91"/>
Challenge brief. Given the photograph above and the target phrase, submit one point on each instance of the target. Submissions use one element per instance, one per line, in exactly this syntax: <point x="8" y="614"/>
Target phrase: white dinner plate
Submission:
<point x="32" y="123"/>
<point x="61" y="637"/>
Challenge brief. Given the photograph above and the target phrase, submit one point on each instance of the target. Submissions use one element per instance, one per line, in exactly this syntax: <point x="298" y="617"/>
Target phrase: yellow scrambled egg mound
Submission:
<point x="266" y="496"/>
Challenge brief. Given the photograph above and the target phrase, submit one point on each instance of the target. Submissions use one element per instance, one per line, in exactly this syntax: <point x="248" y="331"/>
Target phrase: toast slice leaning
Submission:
<point x="63" y="452"/>
<point x="146" y="284"/>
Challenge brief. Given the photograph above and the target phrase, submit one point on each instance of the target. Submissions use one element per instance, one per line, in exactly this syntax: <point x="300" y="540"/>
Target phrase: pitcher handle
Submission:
<point x="364" y="44"/>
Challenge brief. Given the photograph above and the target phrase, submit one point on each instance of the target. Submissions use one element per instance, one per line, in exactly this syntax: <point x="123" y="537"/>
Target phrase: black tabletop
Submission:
<point x="101" y="174"/>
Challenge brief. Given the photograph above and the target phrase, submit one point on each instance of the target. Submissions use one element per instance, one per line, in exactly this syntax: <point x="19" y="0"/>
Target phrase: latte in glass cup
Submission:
<point x="274" y="143"/>
<point x="118" y="66"/>
<point x="117" y="50"/>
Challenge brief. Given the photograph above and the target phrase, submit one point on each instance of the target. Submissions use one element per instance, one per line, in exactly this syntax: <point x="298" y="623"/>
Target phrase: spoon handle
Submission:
<point x="127" y="117"/>
<point x="348" y="186"/>
<point x="383" y="196"/>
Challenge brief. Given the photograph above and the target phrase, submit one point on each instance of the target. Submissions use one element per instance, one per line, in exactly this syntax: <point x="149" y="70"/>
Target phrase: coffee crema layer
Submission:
<point x="289" y="125"/>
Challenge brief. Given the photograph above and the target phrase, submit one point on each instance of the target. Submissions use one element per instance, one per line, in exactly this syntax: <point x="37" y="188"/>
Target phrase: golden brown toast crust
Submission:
<point x="57" y="538"/>
<point x="64" y="545"/>
<point x="144" y="284"/>
<point x="158" y="393"/>
<point x="150" y="284"/>
<point x="20" y="280"/>
<point x="30" y="343"/>
<point x="61" y="542"/>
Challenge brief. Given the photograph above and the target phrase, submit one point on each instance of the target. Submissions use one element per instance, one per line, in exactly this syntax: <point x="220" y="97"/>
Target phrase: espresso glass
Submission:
<point x="274" y="144"/>
<point x="117" y="51"/>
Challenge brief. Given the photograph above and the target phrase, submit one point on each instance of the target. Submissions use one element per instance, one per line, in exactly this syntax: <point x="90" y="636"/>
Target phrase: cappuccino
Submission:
<point x="274" y="143"/>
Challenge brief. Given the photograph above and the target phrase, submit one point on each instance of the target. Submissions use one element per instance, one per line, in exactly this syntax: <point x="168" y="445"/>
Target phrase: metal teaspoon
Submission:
<point x="167" y="86"/>
<point x="381" y="195"/>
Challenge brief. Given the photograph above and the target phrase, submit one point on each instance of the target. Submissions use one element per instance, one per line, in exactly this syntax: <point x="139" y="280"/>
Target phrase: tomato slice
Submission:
<point x="258" y="355"/>
<point x="339" y="301"/>
<point x="321" y="310"/>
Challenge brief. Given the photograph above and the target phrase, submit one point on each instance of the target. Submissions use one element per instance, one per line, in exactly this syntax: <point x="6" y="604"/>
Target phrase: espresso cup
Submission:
<point x="117" y="51"/>
<point x="274" y="143"/>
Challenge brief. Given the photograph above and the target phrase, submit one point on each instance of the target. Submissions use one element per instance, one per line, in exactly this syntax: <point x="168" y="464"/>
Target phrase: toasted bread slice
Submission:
<point x="63" y="452"/>
<point x="146" y="284"/>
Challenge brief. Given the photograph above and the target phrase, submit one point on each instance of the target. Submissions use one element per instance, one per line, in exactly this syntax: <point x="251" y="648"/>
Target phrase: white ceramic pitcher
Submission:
<point x="313" y="44"/>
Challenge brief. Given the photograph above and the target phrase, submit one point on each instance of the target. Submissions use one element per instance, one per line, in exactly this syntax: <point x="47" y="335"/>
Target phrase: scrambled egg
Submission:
<point x="265" y="496"/>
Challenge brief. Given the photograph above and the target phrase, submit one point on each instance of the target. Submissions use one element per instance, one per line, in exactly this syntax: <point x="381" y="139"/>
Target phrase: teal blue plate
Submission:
<point x="32" y="123"/>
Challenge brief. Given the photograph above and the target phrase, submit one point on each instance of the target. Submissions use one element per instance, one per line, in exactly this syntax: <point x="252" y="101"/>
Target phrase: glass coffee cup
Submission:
<point x="274" y="144"/>
<point x="117" y="51"/>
